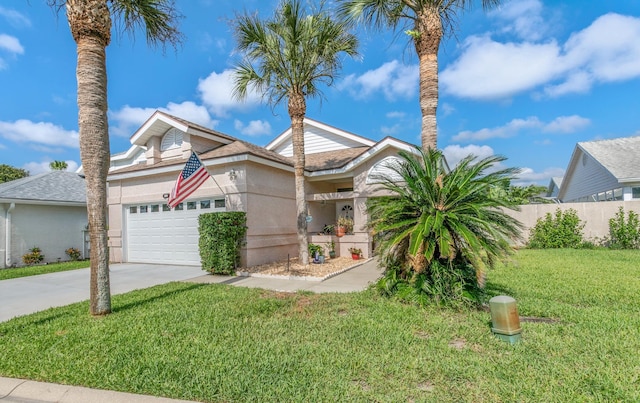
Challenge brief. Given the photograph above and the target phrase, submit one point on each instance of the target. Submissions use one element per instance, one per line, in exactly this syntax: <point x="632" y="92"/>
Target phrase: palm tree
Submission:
<point x="58" y="165"/>
<point x="90" y="23"/>
<point x="287" y="57"/>
<point x="439" y="229"/>
<point x="425" y="21"/>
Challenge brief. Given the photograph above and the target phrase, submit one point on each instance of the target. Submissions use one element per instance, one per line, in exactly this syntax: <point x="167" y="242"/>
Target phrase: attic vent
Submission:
<point x="172" y="139"/>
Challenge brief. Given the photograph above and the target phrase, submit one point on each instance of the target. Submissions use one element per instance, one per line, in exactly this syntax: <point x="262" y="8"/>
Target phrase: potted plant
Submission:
<point x="344" y="226"/>
<point x="331" y="246"/>
<point x="316" y="252"/>
<point x="356" y="253"/>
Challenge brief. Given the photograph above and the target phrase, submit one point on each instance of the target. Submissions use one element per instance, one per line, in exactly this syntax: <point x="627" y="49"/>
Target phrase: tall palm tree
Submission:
<point x="425" y="21"/>
<point x="287" y="57"/>
<point x="440" y="223"/>
<point x="58" y="165"/>
<point x="90" y="23"/>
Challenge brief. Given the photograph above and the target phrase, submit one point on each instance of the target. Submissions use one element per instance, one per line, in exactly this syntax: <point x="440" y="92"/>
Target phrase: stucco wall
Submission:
<point x="595" y="215"/>
<point x="51" y="228"/>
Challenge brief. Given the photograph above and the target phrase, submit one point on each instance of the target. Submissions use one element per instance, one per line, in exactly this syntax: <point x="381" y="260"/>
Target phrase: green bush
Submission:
<point x="624" y="234"/>
<point x="34" y="256"/>
<point x="221" y="237"/>
<point x="561" y="230"/>
<point x="73" y="253"/>
<point x="313" y="248"/>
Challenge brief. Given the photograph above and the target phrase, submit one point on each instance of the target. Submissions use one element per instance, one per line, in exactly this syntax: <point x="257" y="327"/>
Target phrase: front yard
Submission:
<point x="223" y="343"/>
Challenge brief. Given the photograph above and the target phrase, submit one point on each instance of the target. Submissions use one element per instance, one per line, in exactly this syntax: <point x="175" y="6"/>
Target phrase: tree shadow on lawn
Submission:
<point x="146" y="299"/>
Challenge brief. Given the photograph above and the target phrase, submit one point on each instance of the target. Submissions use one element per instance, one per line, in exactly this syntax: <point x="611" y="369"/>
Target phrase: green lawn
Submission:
<point x="221" y="343"/>
<point x="16" y="272"/>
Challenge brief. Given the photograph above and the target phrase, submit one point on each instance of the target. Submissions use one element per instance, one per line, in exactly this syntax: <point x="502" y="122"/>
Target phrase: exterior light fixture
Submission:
<point x="233" y="174"/>
<point x="165" y="196"/>
<point x="505" y="322"/>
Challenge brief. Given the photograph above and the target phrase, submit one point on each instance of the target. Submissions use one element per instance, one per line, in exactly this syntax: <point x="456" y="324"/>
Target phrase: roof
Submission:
<point x="332" y="159"/>
<point x="54" y="186"/>
<point x="621" y="156"/>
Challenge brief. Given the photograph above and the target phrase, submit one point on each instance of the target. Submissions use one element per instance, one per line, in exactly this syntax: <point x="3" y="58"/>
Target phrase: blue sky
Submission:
<point x="527" y="81"/>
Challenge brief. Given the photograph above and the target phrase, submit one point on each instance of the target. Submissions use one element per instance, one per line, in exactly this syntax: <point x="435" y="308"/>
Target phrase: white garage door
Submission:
<point x="158" y="234"/>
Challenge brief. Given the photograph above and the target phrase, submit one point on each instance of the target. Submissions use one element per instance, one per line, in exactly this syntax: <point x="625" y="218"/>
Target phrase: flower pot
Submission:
<point x="332" y="254"/>
<point x="355" y="256"/>
<point x="340" y="231"/>
<point x="321" y="259"/>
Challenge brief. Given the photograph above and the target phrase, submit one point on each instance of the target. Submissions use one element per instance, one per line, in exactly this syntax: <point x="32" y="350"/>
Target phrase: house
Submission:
<point x="603" y="170"/>
<point x="245" y="177"/>
<point x="554" y="187"/>
<point x="48" y="211"/>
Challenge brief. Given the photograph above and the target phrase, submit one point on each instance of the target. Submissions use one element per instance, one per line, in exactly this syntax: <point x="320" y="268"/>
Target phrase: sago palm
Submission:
<point x="439" y="222"/>
<point x="425" y="22"/>
<point x="90" y="22"/>
<point x="287" y="58"/>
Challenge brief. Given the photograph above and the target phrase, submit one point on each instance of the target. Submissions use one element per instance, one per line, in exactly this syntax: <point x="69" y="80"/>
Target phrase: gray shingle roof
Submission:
<point x="619" y="156"/>
<point x="54" y="186"/>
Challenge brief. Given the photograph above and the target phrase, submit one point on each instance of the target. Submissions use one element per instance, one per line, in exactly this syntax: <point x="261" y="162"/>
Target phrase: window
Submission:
<point x="205" y="204"/>
<point x="172" y="139"/>
<point x="635" y="193"/>
<point x="191" y="205"/>
<point x="219" y="203"/>
<point x="143" y="209"/>
<point x="180" y="207"/>
<point x="155" y="208"/>
<point x="133" y="209"/>
<point x="165" y="207"/>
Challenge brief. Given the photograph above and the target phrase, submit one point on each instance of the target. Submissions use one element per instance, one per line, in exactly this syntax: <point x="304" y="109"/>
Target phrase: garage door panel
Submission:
<point x="164" y="236"/>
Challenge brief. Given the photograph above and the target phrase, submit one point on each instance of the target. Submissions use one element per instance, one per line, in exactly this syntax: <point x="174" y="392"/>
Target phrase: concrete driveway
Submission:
<point x="26" y="295"/>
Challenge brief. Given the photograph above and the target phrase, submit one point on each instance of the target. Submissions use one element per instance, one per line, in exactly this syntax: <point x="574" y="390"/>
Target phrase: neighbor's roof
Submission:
<point x="54" y="186"/>
<point x="619" y="156"/>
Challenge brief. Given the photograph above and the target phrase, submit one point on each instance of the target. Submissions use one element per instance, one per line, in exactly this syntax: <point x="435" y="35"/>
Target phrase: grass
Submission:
<point x="17" y="272"/>
<point x="220" y="343"/>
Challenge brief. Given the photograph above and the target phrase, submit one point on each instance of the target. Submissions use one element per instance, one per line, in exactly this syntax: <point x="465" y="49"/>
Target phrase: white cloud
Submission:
<point x="528" y="176"/>
<point x="391" y="130"/>
<point x="509" y="130"/>
<point x="48" y="134"/>
<point x="455" y="153"/>
<point x="396" y="115"/>
<point x="254" y="128"/>
<point x="11" y="45"/>
<point x="35" y="168"/>
<point x="606" y="51"/>
<point x="566" y="124"/>
<point x="522" y="18"/>
<point x="560" y="125"/>
<point x="128" y="119"/>
<point x="447" y="109"/>
<point x="393" y="79"/>
<point x="15" y="18"/>
<point x="488" y="69"/>
<point x="216" y="92"/>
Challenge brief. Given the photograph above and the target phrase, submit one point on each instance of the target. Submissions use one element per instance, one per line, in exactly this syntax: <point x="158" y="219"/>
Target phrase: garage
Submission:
<point x="159" y="234"/>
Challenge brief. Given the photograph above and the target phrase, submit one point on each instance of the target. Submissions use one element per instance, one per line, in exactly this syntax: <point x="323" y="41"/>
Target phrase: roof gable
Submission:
<point x="318" y="138"/>
<point x="621" y="156"/>
<point x="54" y="186"/>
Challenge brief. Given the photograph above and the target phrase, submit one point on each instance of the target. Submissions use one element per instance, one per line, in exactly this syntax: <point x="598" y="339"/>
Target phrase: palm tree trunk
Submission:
<point x="297" y="110"/>
<point x="90" y="25"/>
<point x="427" y="42"/>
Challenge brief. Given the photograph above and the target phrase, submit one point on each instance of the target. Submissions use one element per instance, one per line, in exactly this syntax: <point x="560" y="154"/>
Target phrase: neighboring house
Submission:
<point x="603" y="170"/>
<point x="48" y="211"/>
<point x="554" y="187"/>
<point x="245" y="177"/>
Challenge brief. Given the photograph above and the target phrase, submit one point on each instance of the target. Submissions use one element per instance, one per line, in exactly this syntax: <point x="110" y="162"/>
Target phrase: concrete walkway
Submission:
<point x="32" y="294"/>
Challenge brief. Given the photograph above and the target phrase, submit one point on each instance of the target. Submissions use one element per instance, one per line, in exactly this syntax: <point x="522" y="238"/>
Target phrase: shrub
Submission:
<point x="221" y="236"/>
<point x="313" y="248"/>
<point x="624" y="234"/>
<point x="561" y="230"/>
<point x="34" y="256"/>
<point x="73" y="253"/>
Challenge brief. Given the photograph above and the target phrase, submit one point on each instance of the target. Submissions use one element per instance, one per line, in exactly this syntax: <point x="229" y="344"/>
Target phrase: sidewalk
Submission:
<point x="57" y="289"/>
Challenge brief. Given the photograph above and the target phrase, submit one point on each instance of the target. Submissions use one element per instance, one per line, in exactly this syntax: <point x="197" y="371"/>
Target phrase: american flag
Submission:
<point x="192" y="176"/>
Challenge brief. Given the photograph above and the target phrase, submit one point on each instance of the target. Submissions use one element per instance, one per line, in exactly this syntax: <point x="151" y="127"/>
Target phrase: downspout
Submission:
<point x="7" y="223"/>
